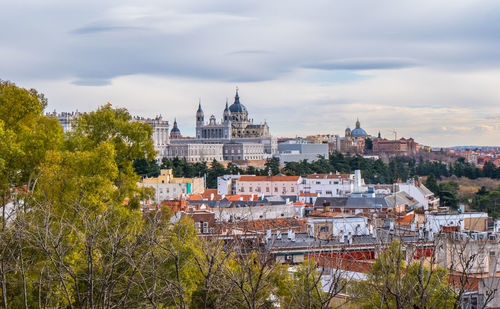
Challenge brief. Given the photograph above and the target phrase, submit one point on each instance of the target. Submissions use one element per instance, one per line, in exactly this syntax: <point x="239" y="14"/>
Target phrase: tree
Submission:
<point x="255" y="278"/>
<point x="394" y="283"/>
<point x="431" y="184"/>
<point x="26" y="136"/>
<point x="145" y="168"/>
<point x="368" y="144"/>
<point x="273" y="166"/>
<point x="447" y="193"/>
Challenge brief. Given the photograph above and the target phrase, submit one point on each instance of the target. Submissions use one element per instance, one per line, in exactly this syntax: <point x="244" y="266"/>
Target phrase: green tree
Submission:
<point x="145" y="168"/>
<point x="447" y="192"/>
<point x="304" y="289"/>
<point x="273" y="166"/>
<point x="393" y="283"/>
<point x="431" y="184"/>
<point x="26" y="136"/>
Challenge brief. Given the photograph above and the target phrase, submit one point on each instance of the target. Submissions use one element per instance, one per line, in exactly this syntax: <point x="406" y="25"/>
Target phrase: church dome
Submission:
<point x="237" y="107"/>
<point x="358" y="132"/>
<point x="175" y="129"/>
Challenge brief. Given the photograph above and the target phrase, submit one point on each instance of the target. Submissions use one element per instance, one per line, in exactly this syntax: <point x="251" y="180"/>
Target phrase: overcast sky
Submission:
<point x="427" y="69"/>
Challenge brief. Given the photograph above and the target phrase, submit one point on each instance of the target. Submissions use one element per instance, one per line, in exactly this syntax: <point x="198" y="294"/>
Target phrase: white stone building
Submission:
<point x="418" y="191"/>
<point x="333" y="185"/>
<point x="340" y="226"/>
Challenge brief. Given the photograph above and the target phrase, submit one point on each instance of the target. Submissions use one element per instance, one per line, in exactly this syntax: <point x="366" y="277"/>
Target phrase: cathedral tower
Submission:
<point x="200" y="120"/>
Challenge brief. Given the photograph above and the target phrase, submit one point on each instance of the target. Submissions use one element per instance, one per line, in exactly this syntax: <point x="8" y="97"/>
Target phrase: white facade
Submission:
<point x="258" y="213"/>
<point x="243" y="151"/>
<point x="166" y="191"/>
<point x="333" y="185"/>
<point x="341" y="226"/>
<point x="65" y="119"/>
<point x="226" y="184"/>
<point x="161" y="137"/>
<point x="419" y="192"/>
<point x="195" y="152"/>
<point x="435" y="222"/>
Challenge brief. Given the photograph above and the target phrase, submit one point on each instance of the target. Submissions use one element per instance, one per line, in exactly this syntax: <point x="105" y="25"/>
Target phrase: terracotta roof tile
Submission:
<point x="308" y="194"/>
<point x="278" y="223"/>
<point x="195" y="197"/>
<point x="328" y="214"/>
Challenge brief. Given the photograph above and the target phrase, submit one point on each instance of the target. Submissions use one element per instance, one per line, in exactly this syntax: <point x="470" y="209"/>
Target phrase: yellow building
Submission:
<point x="169" y="187"/>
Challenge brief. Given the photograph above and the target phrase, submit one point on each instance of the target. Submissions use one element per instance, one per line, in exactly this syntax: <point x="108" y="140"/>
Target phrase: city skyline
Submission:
<point x="430" y="72"/>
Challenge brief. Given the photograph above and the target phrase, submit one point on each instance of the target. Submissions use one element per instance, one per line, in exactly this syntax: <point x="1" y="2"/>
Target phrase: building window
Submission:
<point x="275" y="189"/>
<point x="267" y="189"/>
<point x="250" y="189"/>
<point x="324" y="229"/>
<point x="293" y="189"/>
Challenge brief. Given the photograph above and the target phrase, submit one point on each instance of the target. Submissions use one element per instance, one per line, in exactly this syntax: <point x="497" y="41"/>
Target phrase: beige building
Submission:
<point x="473" y="253"/>
<point x="268" y="185"/>
<point x="169" y="187"/>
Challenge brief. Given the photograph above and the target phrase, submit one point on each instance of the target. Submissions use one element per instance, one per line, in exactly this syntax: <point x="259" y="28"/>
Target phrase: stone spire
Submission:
<point x="200" y="117"/>
<point x="237" y="97"/>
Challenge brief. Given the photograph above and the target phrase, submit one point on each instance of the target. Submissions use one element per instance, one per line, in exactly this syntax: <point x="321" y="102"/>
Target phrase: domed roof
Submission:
<point x="175" y="128"/>
<point x="359" y="132"/>
<point x="237" y="107"/>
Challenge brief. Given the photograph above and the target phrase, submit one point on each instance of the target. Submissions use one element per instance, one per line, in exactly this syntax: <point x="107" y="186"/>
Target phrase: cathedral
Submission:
<point x="357" y="134"/>
<point x="234" y="124"/>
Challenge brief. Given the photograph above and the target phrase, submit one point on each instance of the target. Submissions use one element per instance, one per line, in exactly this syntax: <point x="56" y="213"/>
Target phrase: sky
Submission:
<point x="425" y="69"/>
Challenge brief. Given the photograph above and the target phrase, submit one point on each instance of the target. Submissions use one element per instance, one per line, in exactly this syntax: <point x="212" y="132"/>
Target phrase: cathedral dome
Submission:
<point x="237" y="107"/>
<point x="358" y="132"/>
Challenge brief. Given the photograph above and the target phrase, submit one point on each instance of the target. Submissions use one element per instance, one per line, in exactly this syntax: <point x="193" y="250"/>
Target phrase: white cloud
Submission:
<point x="416" y="68"/>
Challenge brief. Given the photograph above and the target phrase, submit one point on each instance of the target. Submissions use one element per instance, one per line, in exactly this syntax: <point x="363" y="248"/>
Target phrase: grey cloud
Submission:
<point x="362" y="64"/>
<point x="99" y="29"/>
<point x="250" y="52"/>
<point x="92" y="82"/>
<point x="248" y="41"/>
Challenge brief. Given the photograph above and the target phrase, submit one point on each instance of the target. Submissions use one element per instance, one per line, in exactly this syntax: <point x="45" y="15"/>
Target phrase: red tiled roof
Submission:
<point x="208" y="194"/>
<point x="269" y="178"/>
<point x="243" y="197"/>
<point x="195" y="197"/>
<point x="407" y="219"/>
<point x="328" y="214"/>
<point x="308" y="194"/>
<point x="278" y="223"/>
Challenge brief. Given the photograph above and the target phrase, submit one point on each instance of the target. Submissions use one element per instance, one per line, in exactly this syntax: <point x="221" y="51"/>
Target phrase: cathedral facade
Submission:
<point x="234" y="124"/>
<point x="234" y="138"/>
